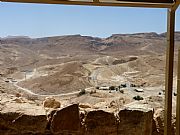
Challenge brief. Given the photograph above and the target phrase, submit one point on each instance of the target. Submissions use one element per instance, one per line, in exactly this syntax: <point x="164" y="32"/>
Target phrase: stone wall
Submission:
<point x="70" y="121"/>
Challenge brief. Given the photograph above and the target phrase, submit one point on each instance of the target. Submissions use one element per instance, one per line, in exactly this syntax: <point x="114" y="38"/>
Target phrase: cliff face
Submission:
<point x="69" y="120"/>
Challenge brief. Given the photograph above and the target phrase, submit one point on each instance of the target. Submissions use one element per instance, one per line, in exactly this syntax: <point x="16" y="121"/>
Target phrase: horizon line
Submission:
<point x="32" y="37"/>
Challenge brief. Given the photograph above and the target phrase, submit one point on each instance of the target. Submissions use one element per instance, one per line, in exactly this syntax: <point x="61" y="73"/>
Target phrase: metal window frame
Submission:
<point x="178" y="97"/>
<point x="169" y="52"/>
<point x="98" y="3"/>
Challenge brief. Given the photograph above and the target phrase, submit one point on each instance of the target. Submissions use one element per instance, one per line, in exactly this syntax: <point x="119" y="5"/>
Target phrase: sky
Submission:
<point x="42" y="20"/>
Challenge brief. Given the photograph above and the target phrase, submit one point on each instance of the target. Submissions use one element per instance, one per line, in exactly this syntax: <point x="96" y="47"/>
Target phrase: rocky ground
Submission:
<point x="42" y="77"/>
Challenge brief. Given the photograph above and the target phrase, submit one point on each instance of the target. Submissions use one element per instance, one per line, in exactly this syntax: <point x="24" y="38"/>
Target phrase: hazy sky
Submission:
<point x="38" y="20"/>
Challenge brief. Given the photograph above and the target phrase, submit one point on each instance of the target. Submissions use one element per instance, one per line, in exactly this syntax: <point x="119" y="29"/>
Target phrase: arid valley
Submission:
<point x="123" y="70"/>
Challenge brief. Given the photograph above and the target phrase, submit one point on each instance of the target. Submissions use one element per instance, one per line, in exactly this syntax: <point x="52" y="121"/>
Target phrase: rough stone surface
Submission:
<point x="158" y="123"/>
<point x="85" y="105"/>
<point x="51" y="103"/>
<point x="135" y="122"/>
<point x="100" y="123"/>
<point x="66" y="119"/>
<point x="14" y="123"/>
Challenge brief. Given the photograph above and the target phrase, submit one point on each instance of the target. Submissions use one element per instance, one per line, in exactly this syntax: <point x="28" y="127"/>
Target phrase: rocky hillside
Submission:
<point x="55" y="85"/>
<point x="59" y="63"/>
<point x="74" y="43"/>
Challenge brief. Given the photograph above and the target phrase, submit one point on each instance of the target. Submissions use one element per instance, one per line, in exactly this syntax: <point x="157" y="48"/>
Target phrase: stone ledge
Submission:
<point x="132" y="120"/>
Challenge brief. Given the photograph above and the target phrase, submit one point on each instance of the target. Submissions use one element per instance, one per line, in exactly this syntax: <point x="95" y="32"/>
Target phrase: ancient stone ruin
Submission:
<point x="71" y="121"/>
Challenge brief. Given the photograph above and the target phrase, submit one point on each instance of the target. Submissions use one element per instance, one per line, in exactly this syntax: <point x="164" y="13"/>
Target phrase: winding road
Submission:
<point x="35" y="94"/>
<point x="15" y="84"/>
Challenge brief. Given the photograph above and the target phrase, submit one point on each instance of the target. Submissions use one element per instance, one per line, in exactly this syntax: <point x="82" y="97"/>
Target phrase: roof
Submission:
<point x="127" y="3"/>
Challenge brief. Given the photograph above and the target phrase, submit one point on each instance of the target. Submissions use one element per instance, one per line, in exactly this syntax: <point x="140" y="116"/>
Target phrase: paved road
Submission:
<point x="24" y="89"/>
<point x="35" y="94"/>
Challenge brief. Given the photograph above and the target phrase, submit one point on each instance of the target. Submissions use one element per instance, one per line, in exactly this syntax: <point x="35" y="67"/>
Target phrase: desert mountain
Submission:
<point x="65" y="63"/>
